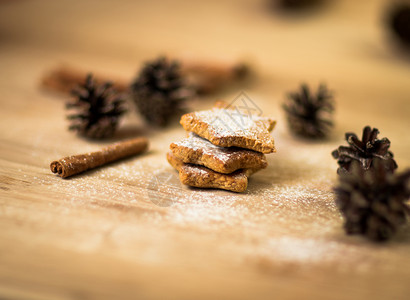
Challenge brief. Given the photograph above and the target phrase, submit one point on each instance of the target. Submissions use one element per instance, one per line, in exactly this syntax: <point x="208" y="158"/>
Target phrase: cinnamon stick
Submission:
<point x="72" y="165"/>
<point x="209" y="76"/>
<point x="204" y="76"/>
<point x="64" y="79"/>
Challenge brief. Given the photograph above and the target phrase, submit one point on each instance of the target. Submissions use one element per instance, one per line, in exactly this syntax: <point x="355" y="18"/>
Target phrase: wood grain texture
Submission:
<point x="130" y="230"/>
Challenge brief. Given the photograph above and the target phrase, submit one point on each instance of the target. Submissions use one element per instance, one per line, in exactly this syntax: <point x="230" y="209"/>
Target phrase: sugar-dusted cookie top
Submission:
<point x="202" y="177"/>
<point x="231" y="127"/>
<point x="199" y="151"/>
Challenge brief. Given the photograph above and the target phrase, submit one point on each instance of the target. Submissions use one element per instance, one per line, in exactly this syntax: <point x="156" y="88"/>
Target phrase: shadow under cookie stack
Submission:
<point x="223" y="148"/>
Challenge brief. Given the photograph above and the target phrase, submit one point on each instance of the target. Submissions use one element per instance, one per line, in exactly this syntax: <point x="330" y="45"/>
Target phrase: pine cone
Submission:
<point x="160" y="90"/>
<point x="364" y="151"/>
<point x="399" y="21"/>
<point x="98" y="108"/>
<point x="295" y="4"/>
<point x="310" y="115"/>
<point x="372" y="201"/>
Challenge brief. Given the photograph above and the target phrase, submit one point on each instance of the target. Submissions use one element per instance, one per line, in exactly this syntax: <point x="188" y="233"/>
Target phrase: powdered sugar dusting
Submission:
<point x="197" y="143"/>
<point x="222" y="154"/>
<point x="228" y="122"/>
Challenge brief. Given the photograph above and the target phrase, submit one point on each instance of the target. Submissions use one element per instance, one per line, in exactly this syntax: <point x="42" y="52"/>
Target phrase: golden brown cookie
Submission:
<point x="202" y="177"/>
<point x="198" y="151"/>
<point x="228" y="127"/>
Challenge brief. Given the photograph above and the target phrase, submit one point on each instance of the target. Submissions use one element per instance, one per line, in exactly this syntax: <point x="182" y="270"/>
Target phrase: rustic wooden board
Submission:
<point x="130" y="230"/>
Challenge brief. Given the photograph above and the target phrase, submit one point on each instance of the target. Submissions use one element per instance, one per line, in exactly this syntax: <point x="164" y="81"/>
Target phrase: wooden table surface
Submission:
<point x="130" y="230"/>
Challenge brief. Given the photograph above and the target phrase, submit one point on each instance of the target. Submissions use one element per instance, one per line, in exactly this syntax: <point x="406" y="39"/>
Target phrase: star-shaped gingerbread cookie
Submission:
<point x="202" y="177"/>
<point x="229" y="127"/>
<point x="196" y="150"/>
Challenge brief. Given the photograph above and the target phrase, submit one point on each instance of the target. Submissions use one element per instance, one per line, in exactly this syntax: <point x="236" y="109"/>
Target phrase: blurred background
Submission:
<point x="85" y="238"/>
<point x="349" y="46"/>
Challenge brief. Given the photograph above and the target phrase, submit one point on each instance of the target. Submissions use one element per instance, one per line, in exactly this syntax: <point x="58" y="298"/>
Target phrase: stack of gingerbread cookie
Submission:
<point x="223" y="148"/>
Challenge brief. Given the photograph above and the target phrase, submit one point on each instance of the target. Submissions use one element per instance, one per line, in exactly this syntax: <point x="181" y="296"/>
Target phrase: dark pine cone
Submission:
<point x="399" y="22"/>
<point x="310" y="115"/>
<point x="160" y="90"/>
<point x="364" y="151"/>
<point x="372" y="201"/>
<point x="98" y="108"/>
<point x="295" y="4"/>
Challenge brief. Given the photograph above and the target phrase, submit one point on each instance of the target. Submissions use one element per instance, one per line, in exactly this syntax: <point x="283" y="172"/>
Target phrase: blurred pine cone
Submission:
<point x="160" y="90"/>
<point x="310" y="115"/>
<point x="97" y="109"/>
<point x="372" y="201"/>
<point x="399" y="21"/>
<point x="296" y="4"/>
<point x="364" y="151"/>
